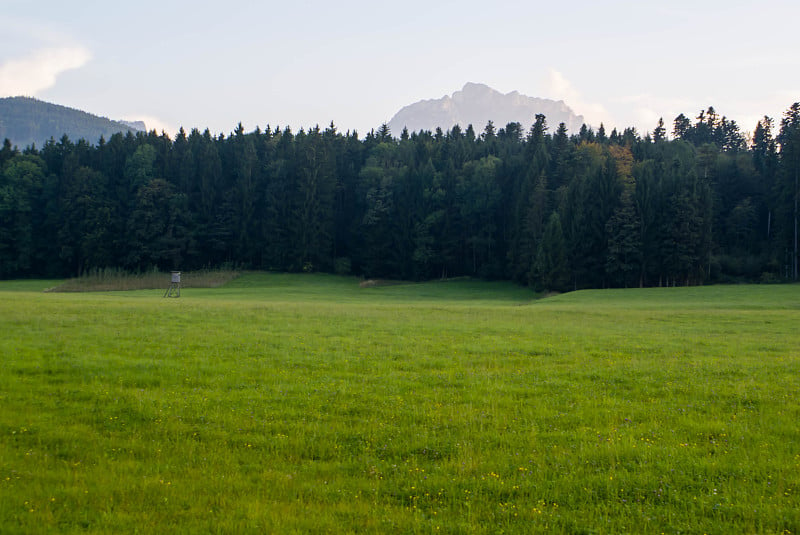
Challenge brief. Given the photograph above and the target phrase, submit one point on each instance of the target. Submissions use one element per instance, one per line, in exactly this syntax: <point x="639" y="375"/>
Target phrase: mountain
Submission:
<point x="477" y="104"/>
<point x="136" y="125"/>
<point x="25" y="120"/>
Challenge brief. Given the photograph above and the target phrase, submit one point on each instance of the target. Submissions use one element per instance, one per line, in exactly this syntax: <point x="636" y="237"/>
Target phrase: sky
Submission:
<point x="201" y="64"/>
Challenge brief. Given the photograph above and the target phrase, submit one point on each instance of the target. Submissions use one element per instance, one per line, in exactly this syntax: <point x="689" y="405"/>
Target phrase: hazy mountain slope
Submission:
<point x="25" y="120"/>
<point x="477" y="104"/>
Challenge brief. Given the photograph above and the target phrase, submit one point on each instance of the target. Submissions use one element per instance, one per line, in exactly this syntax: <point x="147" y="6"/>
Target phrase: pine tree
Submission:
<point x="21" y="180"/>
<point x="789" y="141"/>
<point x="660" y="133"/>
<point x="765" y="161"/>
<point x="682" y="127"/>
<point x="6" y="153"/>
<point x="624" y="229"/>
<point x="525" y="229"/>
<point x="550" y="268"/>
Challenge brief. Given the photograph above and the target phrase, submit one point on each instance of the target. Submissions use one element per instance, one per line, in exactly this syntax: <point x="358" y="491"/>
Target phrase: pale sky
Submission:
<point x="356" y="63"/>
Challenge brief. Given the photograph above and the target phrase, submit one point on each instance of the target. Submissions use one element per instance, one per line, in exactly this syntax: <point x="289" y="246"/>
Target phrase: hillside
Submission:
<point x="477" y="104"/>
<point x="25" y="120"/>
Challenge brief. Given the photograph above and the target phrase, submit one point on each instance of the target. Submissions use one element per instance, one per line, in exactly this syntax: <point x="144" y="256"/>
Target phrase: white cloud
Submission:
<point x="644" y="110"/>
<point x="559" y="88"/>
<point x="34" y="73"/>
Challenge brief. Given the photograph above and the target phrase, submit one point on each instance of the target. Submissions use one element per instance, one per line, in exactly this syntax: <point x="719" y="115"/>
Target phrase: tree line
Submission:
<point x="26" y="121"/>
<point x="553" y="210"/>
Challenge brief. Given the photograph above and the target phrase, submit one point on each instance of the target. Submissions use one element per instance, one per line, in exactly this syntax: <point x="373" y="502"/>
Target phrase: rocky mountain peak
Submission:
<point x="477" y="104"/>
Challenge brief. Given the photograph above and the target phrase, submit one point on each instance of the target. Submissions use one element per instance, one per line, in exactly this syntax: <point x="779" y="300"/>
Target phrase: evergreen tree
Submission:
<point x="425" y="256"/>
<point x="601" y="134"/>
<point x="682" y="127"/>
<point x="159" y="223"/>
<point x="7" y="152"/>
<point x="660" y="133"/>
<point x="789" y="141"/>
<point x="765" y="162"/>
<point x="85" y="232"/>
<point x="550" y="268"/>
<point x="529" y="218"/>
<point x="242" y="197"/>
<point x="479" y="199"/>
<point x="561" y="153"/>
<point x="313" y="207"/>
<point x="624" y="229"/>
<point x="278" y="209"/>
<point x="211" y="233"/>
<point x="21" y="179"/>
<point x="378" y="257"/>
<point x="648" y="202"/>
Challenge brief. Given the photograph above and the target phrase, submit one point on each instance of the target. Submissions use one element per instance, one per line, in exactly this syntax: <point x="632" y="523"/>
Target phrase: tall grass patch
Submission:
<point x="114" y="279"/>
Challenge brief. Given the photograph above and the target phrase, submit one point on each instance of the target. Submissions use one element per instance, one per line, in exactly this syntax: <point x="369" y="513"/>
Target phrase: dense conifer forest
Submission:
<point x="28" y="121"/>
<point x="543" y="207"/>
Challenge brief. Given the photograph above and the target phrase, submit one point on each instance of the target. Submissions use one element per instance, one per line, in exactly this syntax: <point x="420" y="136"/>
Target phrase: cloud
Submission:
<point x="558" y="87"/>
<point x="643" y="111"/>
<point x="34" y="73"/>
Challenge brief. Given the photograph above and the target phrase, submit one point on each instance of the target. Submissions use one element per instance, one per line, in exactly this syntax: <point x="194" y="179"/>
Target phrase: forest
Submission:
<point x="25" y="121"/>
<point x="550" y="209"/>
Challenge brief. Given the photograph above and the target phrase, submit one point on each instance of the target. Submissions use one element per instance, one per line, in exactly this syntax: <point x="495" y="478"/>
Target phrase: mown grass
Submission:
<point x="29" y="285"/>
<point x="284" y="403"/>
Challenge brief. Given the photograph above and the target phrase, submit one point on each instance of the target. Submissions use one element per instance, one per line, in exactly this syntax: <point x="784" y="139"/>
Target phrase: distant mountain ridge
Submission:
<point x="477" y="104"/>
<point x="136" y="125"/>
<point x="25" y="121"/>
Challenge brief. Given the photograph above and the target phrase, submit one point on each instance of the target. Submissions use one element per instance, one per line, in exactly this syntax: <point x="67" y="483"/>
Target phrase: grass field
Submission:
<point x="306" y="404"/>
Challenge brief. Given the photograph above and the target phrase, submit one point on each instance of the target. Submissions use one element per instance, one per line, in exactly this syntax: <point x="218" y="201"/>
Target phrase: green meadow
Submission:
<point x="308" y="404"/>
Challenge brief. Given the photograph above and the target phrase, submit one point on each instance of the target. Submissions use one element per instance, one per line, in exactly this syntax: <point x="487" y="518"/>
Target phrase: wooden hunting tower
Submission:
<point x="174" y="289"/>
